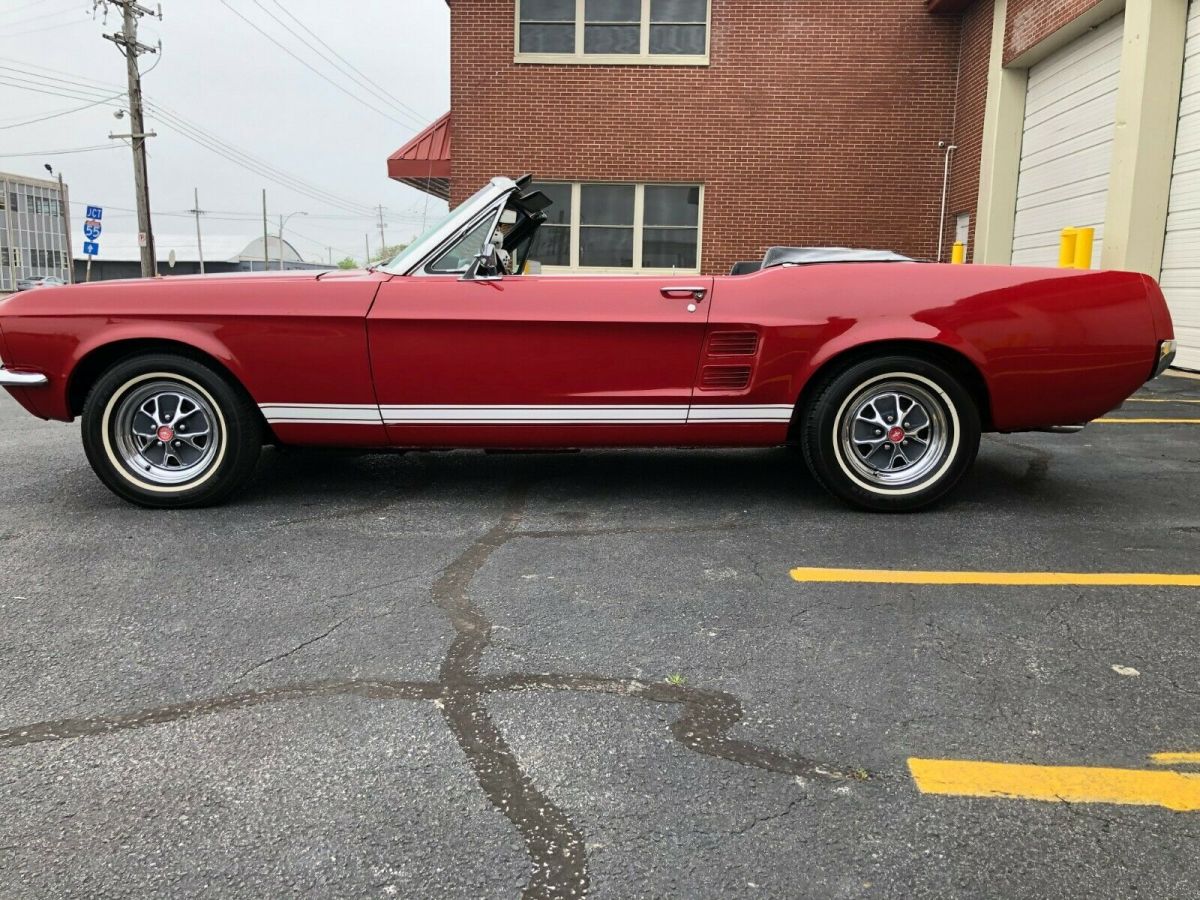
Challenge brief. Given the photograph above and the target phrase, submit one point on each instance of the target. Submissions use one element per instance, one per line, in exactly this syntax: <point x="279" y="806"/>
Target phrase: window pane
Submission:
<point x="612" y="39"/>
<point x="553" y="247"/>
<point x="461" y="254"/>
<point x="547" y="38"/>
<point x="560" y="195"/>
<point x="613" y="11"/>
<point x="611" y="247"/>
<point x="606" y="204"/>
<point x="548" y="11"/>
<point x="679" y="11"/>
<point x="663" y="248"/>
<point x="682" y="39"/>
<point x="672" y="204"/>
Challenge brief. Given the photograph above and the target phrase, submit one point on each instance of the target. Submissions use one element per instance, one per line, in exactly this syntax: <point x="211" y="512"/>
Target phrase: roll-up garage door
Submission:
<point x="1066" y="150"/>
<point x="1181" y="254"/>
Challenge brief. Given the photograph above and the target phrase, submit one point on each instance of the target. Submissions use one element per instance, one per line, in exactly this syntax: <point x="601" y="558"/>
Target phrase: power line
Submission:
<point x="63" y="152"/>
<point x="347" y="68"/>
<point x="353" y="96"/>
<point x="195" y="133"/>
<point x="65" y="112"/>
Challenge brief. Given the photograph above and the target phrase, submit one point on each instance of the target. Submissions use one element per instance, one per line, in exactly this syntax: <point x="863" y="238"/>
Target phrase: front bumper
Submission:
<point x="9" y="378"/>
<point x="1166" y="356"/>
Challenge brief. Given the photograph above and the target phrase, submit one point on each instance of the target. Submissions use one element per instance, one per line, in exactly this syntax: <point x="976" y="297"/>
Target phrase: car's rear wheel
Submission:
<point x="167" y="431"/>
<point x="890" y="434"/>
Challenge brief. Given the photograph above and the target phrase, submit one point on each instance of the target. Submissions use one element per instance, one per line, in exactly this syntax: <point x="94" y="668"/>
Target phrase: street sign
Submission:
<point x="92" y="229"/>
<point x="91" y="248"/>
<point x="95" y="212"/>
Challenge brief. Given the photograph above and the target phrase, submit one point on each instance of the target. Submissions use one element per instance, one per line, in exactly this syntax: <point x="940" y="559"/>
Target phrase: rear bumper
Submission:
<point x="8" y="378"/>
<point x="1166" y="356"/>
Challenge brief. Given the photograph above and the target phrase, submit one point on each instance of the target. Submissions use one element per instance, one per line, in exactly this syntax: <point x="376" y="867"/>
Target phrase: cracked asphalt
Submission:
<point x="469" y="675"/>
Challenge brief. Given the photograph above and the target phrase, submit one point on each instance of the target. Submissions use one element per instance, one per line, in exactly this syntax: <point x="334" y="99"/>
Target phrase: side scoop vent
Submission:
<point x="725" y="378"/>
<point x="733" y="343"/>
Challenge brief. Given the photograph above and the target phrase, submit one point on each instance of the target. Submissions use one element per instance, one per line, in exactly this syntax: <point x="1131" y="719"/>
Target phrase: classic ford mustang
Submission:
<point x="883" y="371"/>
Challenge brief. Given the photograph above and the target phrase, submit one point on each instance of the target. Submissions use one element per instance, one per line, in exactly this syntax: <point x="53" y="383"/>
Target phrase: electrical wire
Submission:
<point x="347" y="68"/>
<point x="65" y="112"/>
<point x="195" y="133"/>
<point x="353" y="96"/>
<point x="63" y="152"/>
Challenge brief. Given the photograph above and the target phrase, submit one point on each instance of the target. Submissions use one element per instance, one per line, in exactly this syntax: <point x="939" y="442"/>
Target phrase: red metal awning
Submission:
<point x="424" y="162"/>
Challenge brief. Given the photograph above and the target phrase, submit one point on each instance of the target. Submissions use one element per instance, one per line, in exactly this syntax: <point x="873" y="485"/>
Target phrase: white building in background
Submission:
<point x="34" y="224"/>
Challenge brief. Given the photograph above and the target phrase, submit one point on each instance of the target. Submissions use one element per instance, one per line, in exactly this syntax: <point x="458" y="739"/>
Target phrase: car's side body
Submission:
<point x="1050" y="346"/>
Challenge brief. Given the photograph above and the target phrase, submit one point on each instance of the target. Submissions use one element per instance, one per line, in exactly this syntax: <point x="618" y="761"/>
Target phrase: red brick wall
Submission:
<point x="1032" y="21"/>
<point x="816" y="123"/>
<point x="968" y="124"/>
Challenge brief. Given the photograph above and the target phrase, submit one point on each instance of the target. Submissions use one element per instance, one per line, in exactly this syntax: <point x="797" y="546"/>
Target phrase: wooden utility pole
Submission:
<point x="382" y="239"/>
<point x="127" y="42"/>
<point x="266" y="246"/>
<point x="196" y="211"/>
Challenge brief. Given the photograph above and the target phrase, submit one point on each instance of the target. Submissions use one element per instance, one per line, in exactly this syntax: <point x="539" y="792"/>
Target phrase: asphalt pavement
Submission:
<point x="469" y="675"/>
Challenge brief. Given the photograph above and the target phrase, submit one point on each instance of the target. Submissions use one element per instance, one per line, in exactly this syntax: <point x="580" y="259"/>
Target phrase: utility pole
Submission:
<point x="65" y="207"/>
<point x="329" y="250"/>
<point x="367" y="250"/>
<point x="382" y="239"/>
<point x="127" y="42"/>
<point x="196" y="211"/>
<point x="266" y="251"/>
<point x="281" y="243"/>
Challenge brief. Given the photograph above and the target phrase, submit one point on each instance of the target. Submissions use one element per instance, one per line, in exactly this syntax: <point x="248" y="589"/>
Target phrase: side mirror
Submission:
<point x="486" y="265"/>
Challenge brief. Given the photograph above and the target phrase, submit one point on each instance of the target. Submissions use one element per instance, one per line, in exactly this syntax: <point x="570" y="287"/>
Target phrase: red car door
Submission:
<point x="537" y="361"/>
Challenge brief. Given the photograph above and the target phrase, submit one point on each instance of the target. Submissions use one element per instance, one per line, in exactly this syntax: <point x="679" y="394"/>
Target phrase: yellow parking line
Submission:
<point x="1167" y="759"/>
<point x="1074" y="784"/>
<point x="1145" y="422"/>
<point x="900" y="576"/>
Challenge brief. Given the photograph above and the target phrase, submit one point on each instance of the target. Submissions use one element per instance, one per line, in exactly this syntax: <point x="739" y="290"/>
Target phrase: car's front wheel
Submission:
<point x="891" y="434"/>
<point x="167" y="431"/>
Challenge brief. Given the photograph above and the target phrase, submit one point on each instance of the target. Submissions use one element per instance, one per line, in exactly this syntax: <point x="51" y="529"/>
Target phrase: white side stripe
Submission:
<point x="593" y="414"/>
<point x="321" y="414"/>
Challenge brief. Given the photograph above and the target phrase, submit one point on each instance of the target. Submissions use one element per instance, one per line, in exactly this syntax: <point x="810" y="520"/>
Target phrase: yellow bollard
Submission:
<point x="1066" y="249"/>
<point x="958" y="254"/>
<point x="1083" y="247"/>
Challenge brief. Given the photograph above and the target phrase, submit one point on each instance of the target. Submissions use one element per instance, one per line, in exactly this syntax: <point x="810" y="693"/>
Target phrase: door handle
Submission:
<point x="696" y="293"/>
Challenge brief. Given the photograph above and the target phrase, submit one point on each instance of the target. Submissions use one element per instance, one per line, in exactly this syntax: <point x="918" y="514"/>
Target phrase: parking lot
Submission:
<point x="619" y="674"/>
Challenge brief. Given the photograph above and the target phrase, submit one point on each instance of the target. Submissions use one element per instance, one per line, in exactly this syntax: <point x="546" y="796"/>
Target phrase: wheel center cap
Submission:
<point x="166" y="433"/>
<point x="895" y="434"/>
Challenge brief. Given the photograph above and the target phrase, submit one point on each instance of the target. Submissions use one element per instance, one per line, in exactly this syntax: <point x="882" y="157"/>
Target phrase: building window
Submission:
<point x="614" y="227"/>
<point x="658" y="32"/>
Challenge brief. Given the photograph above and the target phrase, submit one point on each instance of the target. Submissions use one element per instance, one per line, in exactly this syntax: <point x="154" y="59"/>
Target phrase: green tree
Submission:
<point x="387" y="252"/>
<point x="348" y="263"/>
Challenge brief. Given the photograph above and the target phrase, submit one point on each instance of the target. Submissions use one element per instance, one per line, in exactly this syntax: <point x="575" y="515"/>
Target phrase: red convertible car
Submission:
<point x="882" y="370"/>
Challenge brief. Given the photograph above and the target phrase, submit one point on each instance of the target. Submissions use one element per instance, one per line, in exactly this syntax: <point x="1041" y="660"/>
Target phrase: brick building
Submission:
<point x="688" y="134"/>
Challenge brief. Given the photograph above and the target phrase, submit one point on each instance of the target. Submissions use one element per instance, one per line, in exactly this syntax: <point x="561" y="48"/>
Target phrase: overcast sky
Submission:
<point x="221" y="76"/>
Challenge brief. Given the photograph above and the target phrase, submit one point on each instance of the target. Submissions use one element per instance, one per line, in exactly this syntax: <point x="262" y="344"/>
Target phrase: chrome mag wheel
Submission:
<point x="894" y="433"/>
<point x="166" y="432"/>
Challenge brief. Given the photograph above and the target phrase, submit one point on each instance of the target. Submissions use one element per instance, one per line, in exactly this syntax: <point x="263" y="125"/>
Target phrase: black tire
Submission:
<point x="144" y="398"/>
<point x="867" y="463"/>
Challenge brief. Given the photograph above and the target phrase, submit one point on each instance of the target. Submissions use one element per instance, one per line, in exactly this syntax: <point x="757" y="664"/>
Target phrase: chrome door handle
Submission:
<point x="696" y="293"/>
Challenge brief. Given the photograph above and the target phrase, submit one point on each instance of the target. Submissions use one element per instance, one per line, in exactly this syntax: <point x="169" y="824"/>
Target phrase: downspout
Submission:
<point x="945" y="191"/>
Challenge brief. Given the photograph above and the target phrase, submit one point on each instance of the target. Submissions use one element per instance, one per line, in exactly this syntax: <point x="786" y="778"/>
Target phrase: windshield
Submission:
<point x="411" y="254"/>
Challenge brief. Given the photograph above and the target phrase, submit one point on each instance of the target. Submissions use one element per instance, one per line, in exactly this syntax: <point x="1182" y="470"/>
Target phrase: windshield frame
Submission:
<point x="413" y="258"/>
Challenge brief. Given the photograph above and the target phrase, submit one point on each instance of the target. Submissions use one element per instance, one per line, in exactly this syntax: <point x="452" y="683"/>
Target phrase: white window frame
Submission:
<point x="642" y="58"/>
<point x="639" y="207"/>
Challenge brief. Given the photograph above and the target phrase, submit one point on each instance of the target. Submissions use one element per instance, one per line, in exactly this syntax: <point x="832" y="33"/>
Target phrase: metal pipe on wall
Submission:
<point x="945" y="192"/>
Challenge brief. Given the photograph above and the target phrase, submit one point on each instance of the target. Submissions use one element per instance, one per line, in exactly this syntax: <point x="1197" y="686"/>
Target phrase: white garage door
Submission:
<point x="1066" y="151"/>
<point x="1181" y="255"/>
